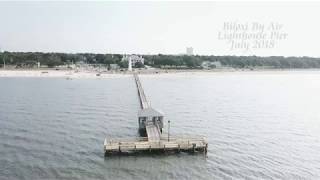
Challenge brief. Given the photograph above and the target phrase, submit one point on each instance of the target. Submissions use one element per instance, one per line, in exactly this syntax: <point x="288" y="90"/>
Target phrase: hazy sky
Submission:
<point x="158" y="27"/>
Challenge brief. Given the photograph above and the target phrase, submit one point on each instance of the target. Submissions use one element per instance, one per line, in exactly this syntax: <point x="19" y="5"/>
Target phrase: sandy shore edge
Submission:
<point x="92" y="74"/>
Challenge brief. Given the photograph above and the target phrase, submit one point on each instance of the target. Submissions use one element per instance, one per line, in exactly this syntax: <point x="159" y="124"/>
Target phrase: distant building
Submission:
<point x="189" y="51"/>
<point x="211" y="65"/>
<point x="114" y="66"/>
<point x="80" y="62"/>
<point x="132" y="60"/>
<point x="26" y="64"/>
<point x="71" y="66"/>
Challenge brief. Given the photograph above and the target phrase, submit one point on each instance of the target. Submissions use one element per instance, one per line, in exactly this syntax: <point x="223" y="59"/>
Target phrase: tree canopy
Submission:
<point x="160" y="60"/>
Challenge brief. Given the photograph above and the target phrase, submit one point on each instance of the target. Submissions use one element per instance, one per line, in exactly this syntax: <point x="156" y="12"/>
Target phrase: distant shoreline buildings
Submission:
<point x="132" y="60"/>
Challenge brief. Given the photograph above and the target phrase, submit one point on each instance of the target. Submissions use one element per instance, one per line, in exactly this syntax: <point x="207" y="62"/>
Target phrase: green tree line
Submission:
<point x="160" y="60"/>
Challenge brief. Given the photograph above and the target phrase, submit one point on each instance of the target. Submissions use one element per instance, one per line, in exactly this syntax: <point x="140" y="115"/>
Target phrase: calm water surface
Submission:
<point x="258" y="125"/>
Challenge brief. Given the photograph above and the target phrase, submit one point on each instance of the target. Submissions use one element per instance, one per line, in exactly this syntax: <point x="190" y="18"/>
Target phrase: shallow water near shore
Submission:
<point x="259" y="126"/>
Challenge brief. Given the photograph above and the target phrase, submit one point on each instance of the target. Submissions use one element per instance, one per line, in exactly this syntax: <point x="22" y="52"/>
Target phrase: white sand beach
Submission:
<point x="51" y="73"/>
<point x="59" y="73"/>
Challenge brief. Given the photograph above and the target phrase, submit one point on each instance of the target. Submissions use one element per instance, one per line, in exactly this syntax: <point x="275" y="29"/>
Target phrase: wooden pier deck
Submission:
<point x="121" y="146"/>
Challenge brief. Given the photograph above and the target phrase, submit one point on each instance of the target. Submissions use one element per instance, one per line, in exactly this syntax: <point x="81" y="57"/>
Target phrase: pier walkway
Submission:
<point x="142" y="97"/>
<point x="152" y="128"/>
<point x="153" y="133"/>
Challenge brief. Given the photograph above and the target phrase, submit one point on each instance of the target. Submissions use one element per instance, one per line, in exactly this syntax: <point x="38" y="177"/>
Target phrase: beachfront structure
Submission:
<point x="189" y="51"/>
<point x="133" y="59"/>
<point x="114" y="67"/>
<point x="27" y="64"/>
<point x="210" y="64"/>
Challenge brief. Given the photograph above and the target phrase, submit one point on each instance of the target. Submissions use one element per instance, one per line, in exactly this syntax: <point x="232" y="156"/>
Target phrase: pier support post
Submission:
<point x="206" y="149"/>
<point x="168" y="130"/>
<point x="193" y="147"/>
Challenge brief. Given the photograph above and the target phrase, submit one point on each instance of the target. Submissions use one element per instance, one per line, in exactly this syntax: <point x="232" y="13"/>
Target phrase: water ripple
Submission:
<point x="259" y="126"/>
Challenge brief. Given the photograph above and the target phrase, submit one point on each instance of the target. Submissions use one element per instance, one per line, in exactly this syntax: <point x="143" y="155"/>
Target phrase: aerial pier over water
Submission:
<point x="151" y="124"/>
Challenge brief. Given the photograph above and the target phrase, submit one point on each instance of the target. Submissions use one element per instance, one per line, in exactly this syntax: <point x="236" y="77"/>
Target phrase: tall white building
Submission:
<point x="189" y="51"/>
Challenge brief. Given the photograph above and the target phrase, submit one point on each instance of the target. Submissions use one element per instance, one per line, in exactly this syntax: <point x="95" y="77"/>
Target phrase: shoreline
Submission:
<point x="93" y="74"/>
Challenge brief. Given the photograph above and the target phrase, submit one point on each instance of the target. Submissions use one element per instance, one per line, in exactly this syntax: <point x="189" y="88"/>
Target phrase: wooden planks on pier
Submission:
<point x="153" y="133"/>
